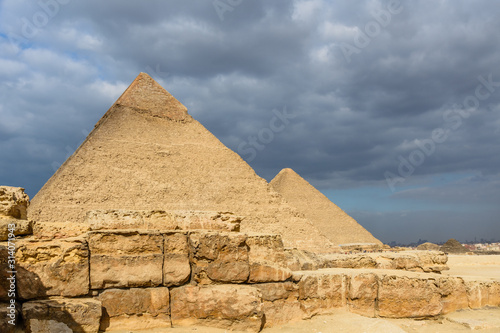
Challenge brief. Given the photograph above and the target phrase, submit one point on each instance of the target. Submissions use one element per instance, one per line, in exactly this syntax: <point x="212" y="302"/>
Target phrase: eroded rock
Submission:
<point x="125" y="259"/>
<point x="267" y="259"/>
<point x="280" y="302"/>
<point x="13" y="202"/>
<point x="176" y="266"/>
<point x="135" y="308"/>
<point x="57" y="230"/>
<point x="14" y="227"/>
<point x="219" y="257"/>
<point x="319" y="293"/>
<point x="79" y="315"/>
<point x="52" y="268"/>
<point x="233" y="307"/>
<point x="362" y="294"/>
<point x="408" y="297"/>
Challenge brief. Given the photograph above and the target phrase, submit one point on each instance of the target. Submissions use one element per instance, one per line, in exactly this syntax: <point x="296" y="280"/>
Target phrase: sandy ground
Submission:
<point x="474" y="266"/>
<point x="483" y="320"/>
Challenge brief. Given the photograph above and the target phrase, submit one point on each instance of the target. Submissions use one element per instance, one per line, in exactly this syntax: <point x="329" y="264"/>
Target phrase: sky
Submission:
<point x="390" y="108"/>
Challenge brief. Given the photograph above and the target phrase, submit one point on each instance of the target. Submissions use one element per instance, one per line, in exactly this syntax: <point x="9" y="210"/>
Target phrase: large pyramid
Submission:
<point x="147" y="152"/>
<point x="332" y="221"/>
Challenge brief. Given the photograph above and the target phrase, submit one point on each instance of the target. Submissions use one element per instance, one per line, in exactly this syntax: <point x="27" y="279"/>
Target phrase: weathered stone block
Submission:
<point x="482" y="293"/>
<point x="362" y="295"/>
<point x="219" y="257"/>
<point x="321" y="292"/>
<point x="62" y="315"/>
<point x="13" y="202"/>
<point x="162" y="220"/>
<point x="176" y="266"/>
<point x="453" y="294"/>
<point x="57" y="230"/>
<point x="280" y="302"/>
<point x="5" y="278"/>
<point x="233" y="307"/>
<point x="19" y="227"/>
<point x="125" y="259"/>
<point x="135" y="308"/>
<point x="408" y="297"/>
<point x="267" y="259"/>
<point x="52" y="268"/>
<point x="10" y="317"/>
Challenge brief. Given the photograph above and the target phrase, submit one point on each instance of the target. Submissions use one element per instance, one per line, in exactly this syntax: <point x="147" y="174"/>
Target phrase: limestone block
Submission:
<point x="135" y="308"/>
<point x="5" y="278"/>
<point x="176" y="266"/>
<point x="62" y="315"/>
<point x="453" y="294"/>
<point x="219" y="257"/>
<point x="483" y="293"/>
<point x="52" y="268"/>
<point x="494" y="294"/>
<point x="57" y="230"/>
<point x="359" y="260"/>
<point x="304" y="260"/>
<point x="13" y="202"/>
<point x="9" y="313"/>
<point x="162" y="220"/>
<point x="267" y="259"/>
<point x="232" y="307"/>
<point x="280" y="302"/>
<point x="408" y="297"/>
<point x="362" y="295"/>
<point x="125" y="259"/>
<point x="19" y="228"/>
<point x="319" y="293"/>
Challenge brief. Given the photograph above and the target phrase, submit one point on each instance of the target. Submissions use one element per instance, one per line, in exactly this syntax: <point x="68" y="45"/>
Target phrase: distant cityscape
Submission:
<point x="473" y="245"/>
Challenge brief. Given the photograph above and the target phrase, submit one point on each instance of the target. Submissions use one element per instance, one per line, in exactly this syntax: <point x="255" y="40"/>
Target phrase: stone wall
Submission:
<point x="124" y="279"/>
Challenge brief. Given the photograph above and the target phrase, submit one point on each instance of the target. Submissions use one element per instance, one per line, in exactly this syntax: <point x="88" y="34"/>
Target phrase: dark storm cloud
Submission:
<point x="356" y="115"/>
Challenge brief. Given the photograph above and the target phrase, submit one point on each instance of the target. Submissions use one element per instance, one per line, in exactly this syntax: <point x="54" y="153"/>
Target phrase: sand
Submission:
<point x="487" y="266"/>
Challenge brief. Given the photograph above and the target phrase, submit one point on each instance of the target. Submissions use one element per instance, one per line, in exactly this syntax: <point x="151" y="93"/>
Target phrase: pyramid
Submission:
<point x="333" y="222"/>
<point x="148" y="153"/>
<point x="453" y="246"/>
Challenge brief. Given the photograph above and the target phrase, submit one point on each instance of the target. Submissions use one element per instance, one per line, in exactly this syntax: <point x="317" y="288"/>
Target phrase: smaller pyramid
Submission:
<point x="453" y="246"/>
<point x="428" y="247"/>
<point x="328" y="218"/>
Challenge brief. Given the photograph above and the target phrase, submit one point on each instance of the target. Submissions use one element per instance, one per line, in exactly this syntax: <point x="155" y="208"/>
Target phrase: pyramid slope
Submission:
<point x="147" y="153"/>
<point x="333" y="222"/>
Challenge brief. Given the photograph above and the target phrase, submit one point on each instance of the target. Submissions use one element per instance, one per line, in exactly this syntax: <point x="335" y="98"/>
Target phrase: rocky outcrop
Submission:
<point x="233" y="307"/>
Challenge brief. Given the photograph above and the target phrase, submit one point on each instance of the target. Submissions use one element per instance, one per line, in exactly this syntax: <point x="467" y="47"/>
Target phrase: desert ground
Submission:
<point x="486" y="320"/>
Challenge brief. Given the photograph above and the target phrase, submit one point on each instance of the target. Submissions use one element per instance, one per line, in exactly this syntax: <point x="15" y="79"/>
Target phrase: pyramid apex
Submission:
<point x="149" y="97"/>
<point x="286" y="172"/>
